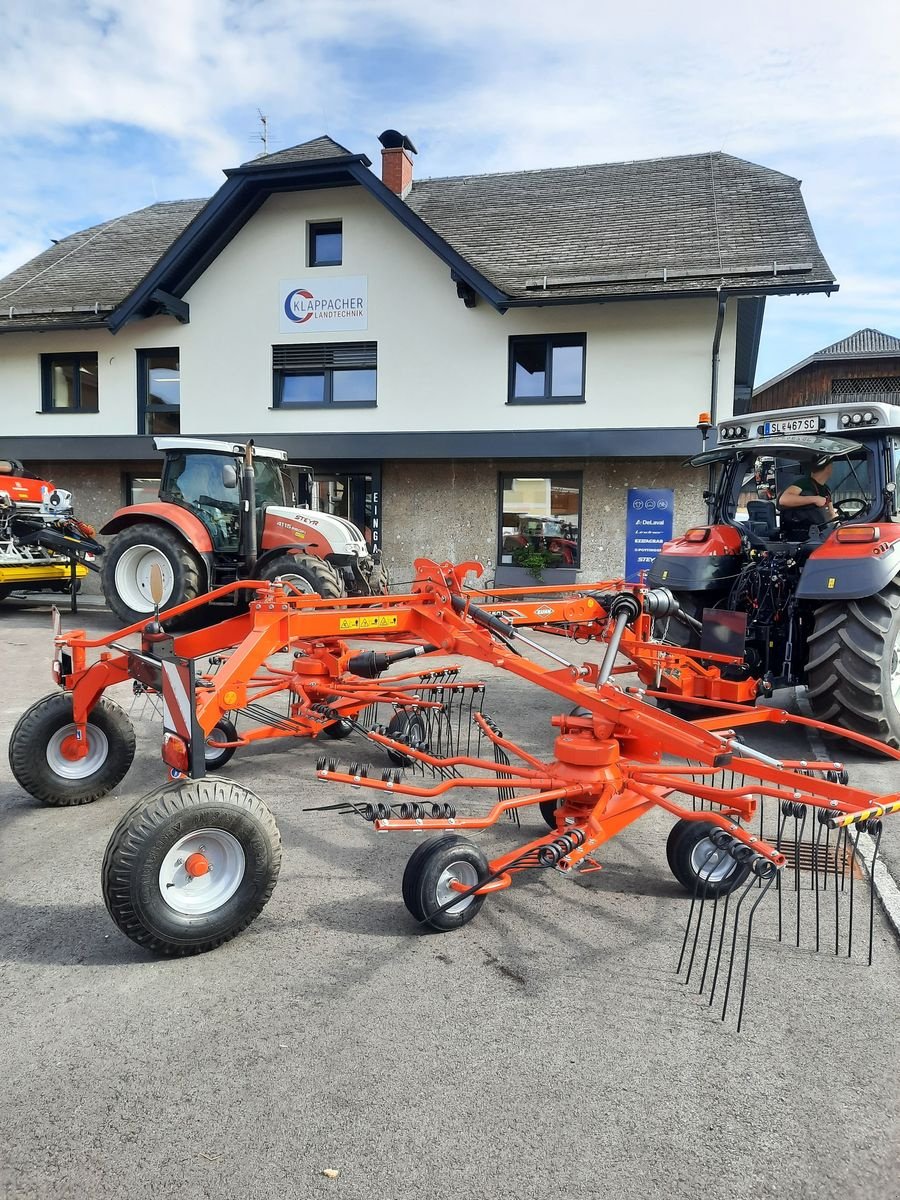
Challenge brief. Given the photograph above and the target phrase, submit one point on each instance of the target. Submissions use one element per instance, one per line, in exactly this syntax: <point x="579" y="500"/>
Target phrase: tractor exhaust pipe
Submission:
<point x="249" y="548"/>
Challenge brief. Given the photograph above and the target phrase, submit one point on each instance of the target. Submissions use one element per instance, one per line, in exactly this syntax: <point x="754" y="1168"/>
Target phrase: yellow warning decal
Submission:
<point x="380" y="622"/>
<point x="831" y="581"/>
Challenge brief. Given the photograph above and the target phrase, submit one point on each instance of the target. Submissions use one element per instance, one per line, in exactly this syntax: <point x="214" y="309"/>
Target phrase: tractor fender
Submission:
<point x="851" y="571"/>
<point x="190" y="528"/>
<point x="702" y="565"/>
<point x="289" y="548"/>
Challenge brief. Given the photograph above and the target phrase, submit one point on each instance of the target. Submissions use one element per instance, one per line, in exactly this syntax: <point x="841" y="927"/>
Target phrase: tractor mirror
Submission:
<point x="229" y="476"/>
<point x="156" y="584"/>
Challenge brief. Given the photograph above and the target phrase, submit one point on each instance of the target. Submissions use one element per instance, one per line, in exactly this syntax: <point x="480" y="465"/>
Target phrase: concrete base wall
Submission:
<point x="448" y="510"/>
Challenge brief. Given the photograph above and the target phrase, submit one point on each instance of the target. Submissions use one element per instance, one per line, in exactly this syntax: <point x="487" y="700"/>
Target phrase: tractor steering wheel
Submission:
<point x="858" y="505"/>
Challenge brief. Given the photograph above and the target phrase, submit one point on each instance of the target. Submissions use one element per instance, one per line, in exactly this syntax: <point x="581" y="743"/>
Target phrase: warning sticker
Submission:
<point x="384" y="621"/>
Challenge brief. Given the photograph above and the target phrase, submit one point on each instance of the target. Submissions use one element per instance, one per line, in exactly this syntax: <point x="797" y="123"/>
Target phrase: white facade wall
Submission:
<point x="441" y="366"/>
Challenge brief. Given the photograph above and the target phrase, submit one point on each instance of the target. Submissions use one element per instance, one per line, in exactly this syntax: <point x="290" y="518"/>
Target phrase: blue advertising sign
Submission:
<point x="648" y="523"/>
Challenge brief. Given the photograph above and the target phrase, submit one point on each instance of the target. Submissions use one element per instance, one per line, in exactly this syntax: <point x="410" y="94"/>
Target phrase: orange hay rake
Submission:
<point x="193" y="863"/>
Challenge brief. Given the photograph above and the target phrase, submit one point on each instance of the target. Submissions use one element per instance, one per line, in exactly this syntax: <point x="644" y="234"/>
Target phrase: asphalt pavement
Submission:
<point x="548" y="1049"/>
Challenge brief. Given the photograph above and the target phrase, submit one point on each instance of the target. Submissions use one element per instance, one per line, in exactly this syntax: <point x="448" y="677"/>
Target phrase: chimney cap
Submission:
<point x="392" y="139"/>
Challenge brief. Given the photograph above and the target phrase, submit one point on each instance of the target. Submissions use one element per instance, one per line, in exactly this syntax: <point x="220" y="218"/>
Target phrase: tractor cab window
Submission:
<point x="758" y="480"/>
<point x="269" y="481"/>
<point x="208" y="485"/>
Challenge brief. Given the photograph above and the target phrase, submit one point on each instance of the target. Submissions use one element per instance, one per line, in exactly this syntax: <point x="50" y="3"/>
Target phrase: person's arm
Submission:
<point x="792" y="497"/>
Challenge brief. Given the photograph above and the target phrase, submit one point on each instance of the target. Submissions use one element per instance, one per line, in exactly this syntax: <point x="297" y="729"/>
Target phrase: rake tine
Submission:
<point x="756" y="905"/>
<point x="778" y="839"/>
<point x="824" y="815"/>
<point x="837" y="893"/>
<point x="853" y="852"/>
<point x="827" y="848"/>
<point x="701" y="879"/>
<point x="715" y="978"/>
<point x="876" y="833"/>
<point x="712" y="929"/>
<point x="798" y="834"/>
<point x="737" y="918"/>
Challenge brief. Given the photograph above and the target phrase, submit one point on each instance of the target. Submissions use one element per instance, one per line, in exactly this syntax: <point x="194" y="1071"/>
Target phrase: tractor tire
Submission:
<point x="311" y="575"/>
<point x="39" y="762"/>
<point x="150" y="888"/>
<point x="853" y="665"/>
<point x="125" y="575"/>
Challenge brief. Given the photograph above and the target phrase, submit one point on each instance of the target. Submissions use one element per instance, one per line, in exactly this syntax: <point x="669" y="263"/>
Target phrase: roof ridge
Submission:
<point x="625" y="162"/>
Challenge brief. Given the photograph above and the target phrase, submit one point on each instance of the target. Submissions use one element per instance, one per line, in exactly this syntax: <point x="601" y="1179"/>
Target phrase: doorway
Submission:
<point x="353" y="495"/>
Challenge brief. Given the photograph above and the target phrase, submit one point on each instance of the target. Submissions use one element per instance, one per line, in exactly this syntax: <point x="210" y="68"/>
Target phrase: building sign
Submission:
<point x="648" y="523"/>
<point x="321" y="305"/>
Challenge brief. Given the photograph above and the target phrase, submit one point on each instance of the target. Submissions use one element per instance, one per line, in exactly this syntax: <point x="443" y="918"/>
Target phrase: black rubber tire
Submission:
<point x="548" y="812"/>
<point x="30" y="741"/>
<point x="684" y="839"/>
<point x="338" y="730"/>
<point x="188" y="572"/>
<point x="324" y="579"/>
<point x="420" y="879"/>
<point x="406" y="727"/>
<point x="851" y="651"/>
<point x="216" y="758"/>
<point x="145" y="834"/>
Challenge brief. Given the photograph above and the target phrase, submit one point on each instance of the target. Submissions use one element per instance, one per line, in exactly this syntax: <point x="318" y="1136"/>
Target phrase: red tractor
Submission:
<point x="229" y="511"/>
<point x="798" y="570"/>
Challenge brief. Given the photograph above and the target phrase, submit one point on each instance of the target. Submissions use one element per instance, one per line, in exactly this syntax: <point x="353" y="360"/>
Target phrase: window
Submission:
<point x="141" y="489"/>
<point x="325" y="244"/>
<point x="540" y="520"/>
<point x="69" y="382"/>
<point x="341" y="373"/>
<point x="547" y="369"/>
<point x="159" y="391"/>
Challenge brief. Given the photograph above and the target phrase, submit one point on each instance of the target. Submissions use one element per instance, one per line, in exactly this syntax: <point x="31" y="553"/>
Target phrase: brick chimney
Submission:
<point x="396" y="162"/>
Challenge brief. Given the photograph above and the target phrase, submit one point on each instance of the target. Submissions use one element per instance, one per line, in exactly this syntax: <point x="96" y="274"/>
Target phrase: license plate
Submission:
<point x="792" y="425"/>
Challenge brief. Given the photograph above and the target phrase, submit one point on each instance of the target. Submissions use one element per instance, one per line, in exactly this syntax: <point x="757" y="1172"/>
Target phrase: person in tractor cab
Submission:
<point x="807" y="501"/>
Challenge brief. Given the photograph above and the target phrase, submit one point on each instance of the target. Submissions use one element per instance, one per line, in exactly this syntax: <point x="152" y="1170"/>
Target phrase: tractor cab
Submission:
<point x="205" y="477"/>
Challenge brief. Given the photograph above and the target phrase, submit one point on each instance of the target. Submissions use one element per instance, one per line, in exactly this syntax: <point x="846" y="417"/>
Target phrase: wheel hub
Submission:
<point x="459" y="872"/>
<point x="71" y="757"/>
<point x="709" y="863"/>
<point x="133" y="577"/>
<point x="202" y="871"/>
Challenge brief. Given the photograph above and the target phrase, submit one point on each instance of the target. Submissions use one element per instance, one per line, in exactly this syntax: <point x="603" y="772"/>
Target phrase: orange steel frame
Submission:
<point x="608" y="766"/>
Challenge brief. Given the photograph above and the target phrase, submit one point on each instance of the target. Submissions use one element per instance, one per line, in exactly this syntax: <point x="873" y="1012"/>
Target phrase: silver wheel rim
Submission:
<point x="204" y="893"/>
<point x="211" y="753"/>
<point x="132" y="577"/>
<point x="895" y="670"/>
<point x="77" y="768"/>
<point x="458" y="872"/>
<point x="710" y="864"/>
<point x="298" y="581"/>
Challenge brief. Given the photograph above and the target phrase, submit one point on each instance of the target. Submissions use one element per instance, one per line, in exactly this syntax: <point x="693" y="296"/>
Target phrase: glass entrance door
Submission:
<point x="353" y="495"/>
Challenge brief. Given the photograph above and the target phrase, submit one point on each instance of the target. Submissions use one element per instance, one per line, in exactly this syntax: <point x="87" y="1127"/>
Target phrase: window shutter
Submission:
<point x="326" y="356"/>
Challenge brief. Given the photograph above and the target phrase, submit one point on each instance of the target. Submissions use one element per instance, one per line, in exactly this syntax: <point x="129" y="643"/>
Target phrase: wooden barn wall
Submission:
<point x="812" y="385"/>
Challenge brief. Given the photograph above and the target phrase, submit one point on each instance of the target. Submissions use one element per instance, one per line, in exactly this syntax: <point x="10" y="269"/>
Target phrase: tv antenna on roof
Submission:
<point x="263" y="135"/>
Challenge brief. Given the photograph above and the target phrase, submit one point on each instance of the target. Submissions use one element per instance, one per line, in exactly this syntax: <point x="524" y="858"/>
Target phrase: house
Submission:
<point x="455" y="357"/>
<point x="864" y="366"/>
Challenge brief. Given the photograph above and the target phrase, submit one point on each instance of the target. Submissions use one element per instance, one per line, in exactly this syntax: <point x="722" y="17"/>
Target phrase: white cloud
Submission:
<point x="809" y="88"/>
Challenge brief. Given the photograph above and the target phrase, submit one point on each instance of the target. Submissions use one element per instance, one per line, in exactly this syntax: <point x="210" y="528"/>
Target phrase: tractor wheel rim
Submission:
<point x="77" y="768"/>
<point x="458" y="872"/>
<point x="133" y="577"/>
<point x="895" y="670"/>
<point x="299" y="582"/>
<point x="198" y="895"/>
<point x="709" y="863"/>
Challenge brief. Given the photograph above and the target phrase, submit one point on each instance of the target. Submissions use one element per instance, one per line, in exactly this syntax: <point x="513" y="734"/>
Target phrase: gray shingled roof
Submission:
<point x="861" y="344"/>
<point x="865" y="343"/>
<point x="84" y="276"/>
<point x="320" y="147"/>
<point x="665" y="224"/>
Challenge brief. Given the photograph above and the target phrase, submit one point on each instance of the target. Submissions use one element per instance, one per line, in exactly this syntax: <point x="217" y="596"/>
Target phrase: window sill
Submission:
<point x="56" y="412"/>
<point x="545" y="400"/>
<point x="338" y="405"/>
<point x="337" y="263"/>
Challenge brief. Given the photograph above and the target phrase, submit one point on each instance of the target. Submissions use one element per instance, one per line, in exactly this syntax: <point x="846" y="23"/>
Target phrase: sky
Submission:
<point x="110" y="105"/>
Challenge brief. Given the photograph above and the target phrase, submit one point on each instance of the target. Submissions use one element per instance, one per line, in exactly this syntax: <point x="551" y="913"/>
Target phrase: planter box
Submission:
<point x="508" y="576"/>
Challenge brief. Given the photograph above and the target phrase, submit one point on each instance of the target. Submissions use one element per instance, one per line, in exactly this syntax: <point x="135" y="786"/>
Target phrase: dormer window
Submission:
<point x="326" y="244"/>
